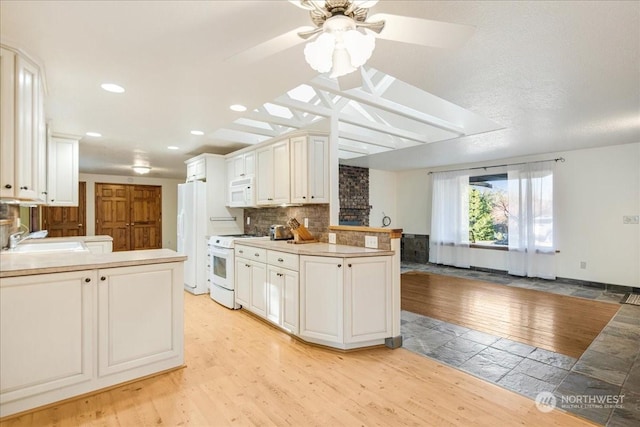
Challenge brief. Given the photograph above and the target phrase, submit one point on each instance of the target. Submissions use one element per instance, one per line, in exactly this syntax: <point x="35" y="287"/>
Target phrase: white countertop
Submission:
<point x="23" y="264"/>
<point x="315" y="249"/>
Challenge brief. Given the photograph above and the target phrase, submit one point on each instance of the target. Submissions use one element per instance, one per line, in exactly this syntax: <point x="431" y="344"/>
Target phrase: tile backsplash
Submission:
<point x="263" y="218"/>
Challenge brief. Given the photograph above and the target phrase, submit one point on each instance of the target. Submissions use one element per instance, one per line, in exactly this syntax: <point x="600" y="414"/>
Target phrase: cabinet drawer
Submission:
<point x="283" y="259"/>
<point x="248" y="252"/>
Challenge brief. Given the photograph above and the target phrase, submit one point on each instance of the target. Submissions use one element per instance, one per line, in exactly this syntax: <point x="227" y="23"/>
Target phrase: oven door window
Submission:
<point x="220" y="267"/>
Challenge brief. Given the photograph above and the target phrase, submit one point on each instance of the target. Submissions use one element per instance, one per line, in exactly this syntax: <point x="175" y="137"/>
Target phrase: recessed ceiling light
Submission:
<point x="238" y="107"/>
<point x="197" y="132"/>
<point x="94" y="134"/>
<point x="173" y="147"/>
<point x="112" y="87"/>
<point x="141" y="169"/>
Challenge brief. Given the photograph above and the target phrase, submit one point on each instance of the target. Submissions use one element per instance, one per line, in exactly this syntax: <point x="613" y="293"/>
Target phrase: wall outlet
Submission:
<point x="248" y="220"/>
<point x="630" y="219"/>
<point x="371" y="242"/>
<point x="332" y="238"/>
<point x="583" y="265"/>
<point x="306" y="222"/>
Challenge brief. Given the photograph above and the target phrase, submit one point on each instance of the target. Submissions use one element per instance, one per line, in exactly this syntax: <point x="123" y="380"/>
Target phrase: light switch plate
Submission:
<point x="248" y="220"/>
<point x="332" y="238"/>
<point x="371" y="242"/>
<point x="306" y="222"/>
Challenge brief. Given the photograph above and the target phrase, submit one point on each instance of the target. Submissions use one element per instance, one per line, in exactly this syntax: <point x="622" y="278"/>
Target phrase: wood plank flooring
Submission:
<point x="559" y="323"/>
<point x="241" y="371"/>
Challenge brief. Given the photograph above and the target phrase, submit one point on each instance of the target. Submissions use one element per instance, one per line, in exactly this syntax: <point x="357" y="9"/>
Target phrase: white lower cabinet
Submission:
<point x="345" y="302"/>
<point x="104" y="247"/>
<point x="46" y="325"/>
<point x="138" y="317"/>
<point x="267" y="285"/>
<point x="282" y="298"/>
<point x="67" y="334"/>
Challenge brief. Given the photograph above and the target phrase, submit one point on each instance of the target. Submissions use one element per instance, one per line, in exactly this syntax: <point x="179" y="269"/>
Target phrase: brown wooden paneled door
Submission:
<point x="131" y="214"/>
<point x="146" y="226"/>
<point x="63" y="221"/>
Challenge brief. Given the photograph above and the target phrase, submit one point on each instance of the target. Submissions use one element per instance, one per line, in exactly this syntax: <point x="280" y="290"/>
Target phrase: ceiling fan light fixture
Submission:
<point x="341" y="48"/>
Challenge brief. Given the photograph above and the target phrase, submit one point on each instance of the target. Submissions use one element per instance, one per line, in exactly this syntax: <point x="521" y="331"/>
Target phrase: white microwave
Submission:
<point x="242" y="192"/>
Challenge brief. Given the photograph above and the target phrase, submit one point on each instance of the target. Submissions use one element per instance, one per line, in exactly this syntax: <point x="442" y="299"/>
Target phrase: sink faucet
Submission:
<point x="16" y="238"/>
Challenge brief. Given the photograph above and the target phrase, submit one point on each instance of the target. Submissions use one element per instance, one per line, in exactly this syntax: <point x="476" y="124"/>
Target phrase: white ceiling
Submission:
<point x="553" y="76"/>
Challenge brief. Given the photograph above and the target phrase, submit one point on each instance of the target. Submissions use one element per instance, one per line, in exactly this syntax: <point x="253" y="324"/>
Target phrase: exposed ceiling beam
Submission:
<point x="363" y="139"/>
<point x="324" y="83"/>
<point x="268" y="118"/>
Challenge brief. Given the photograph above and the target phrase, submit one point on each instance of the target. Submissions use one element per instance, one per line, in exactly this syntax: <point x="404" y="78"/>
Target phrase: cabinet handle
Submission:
<point x="44" y="192"/>
<point x="256" y="254"/>
<point x="53" y="200"/>
<point x="79" y="225"/>
<point x="349" y="265"/>
<point x="24" y="188"/>
<point x="339" y="265"/>
<point x="280" y="260"/>
<point x="240" y="251"/>
<point x="304" y="197"/>
<point x="87" y="280"/>
<point x="8" y="186"/>
<point x="247" y="265"/>
<point x="313" y="197"/>
<point x="279" y="274"/>
<point x="103" y="278"/>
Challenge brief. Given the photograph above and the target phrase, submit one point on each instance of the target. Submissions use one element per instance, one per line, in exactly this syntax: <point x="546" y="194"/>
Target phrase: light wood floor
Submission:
<point x="241" y="371"/>
<point x="562" y="324"/>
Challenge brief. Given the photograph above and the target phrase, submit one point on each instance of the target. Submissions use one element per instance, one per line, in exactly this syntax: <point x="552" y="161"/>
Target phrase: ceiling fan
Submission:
<point x="343" y="36"/>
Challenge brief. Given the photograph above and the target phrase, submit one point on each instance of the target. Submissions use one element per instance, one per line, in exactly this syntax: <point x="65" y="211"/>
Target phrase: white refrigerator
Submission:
<point x="192" y="232"/>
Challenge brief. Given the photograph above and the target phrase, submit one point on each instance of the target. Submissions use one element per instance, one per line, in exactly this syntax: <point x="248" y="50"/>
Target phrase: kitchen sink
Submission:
<point x="30" y="248"/>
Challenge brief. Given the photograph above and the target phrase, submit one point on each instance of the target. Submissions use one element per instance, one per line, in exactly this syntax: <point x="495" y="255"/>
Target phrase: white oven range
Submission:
<point x="221" y="269"/>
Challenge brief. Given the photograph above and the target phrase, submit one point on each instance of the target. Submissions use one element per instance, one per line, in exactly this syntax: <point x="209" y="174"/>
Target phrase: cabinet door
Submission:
<point x="243" y="282"/>
<point x="321" y="301"/>
<point x="281" y="173"/>
<point x="196" y="170"/>
<point x="47" y="329"/>
<point x="140" y="318"/>
<point x="258" y="303"/>
<point x="318" y="169"/>
<point x="28" y="130"/>
<point x="7" y="118"/>
<point x="290" y="301"/>
<point x="264" y="176"/>
<point x="275" y="294"/>
<point x="299" y="184"/>
<point x="62" y="183"/>
<point x="249" y="163"/>
<point x="367" y="292"/>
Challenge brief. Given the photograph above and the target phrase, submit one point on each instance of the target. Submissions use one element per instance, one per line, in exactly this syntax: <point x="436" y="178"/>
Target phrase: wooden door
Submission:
<point x="131" y="214"/>
<point x="66" y="221"/>
<point x="146" y="226"/>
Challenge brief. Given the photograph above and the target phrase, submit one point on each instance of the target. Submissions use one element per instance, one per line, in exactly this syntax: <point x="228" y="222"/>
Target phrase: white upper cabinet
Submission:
<point x="309" y="169"/>
<point x="23" y="129"/>
<point x="241" y="165"/>
<point x="272" y="174"/>
<point x="62" y="167"/>
<point x="196" y="169"/>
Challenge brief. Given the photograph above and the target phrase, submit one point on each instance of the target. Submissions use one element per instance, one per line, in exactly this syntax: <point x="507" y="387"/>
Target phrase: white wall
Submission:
<point x="594" y="189"/>
<point x="382" y="197"/>
<point x="169" y="202"/>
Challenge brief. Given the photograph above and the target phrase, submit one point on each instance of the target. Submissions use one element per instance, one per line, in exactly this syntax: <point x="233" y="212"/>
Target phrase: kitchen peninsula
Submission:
<point x="334" y="295"/>
<point x="75" y="322"/>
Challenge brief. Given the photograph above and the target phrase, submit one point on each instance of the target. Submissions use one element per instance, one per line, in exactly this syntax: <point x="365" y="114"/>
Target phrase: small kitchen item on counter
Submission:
<point x="300" y="232"/>
<point x="280" y="232"/>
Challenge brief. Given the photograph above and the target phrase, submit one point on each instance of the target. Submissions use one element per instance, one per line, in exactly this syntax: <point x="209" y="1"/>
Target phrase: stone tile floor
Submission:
<point x="602" y="386"/>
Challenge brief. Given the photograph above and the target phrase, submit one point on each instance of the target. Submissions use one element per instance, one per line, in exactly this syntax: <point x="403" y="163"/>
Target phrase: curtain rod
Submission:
<point x="559" y="159"/>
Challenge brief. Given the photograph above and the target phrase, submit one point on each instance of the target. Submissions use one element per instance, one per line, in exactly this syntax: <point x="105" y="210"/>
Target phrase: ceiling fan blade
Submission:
<point x="269" y="47"/>
<point x="376" y="26"/>
<point x="310" y="33"/>
<point x="423" y="32"/>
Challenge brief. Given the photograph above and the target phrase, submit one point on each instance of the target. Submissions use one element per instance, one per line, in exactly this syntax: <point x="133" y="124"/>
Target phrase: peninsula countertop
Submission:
<point x="24" y="264"/>
<point x="315" y="249"/>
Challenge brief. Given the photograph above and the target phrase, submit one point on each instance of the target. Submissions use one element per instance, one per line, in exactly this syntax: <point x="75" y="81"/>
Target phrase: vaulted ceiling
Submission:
<point x="535" y="77"/>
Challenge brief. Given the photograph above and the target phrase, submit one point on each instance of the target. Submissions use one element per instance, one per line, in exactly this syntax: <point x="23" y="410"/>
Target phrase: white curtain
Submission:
<point x="531" y="240"/>
<point x="449" y="240"/>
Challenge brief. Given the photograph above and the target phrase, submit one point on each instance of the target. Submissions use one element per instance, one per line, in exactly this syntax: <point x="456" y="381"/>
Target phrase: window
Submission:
<point x="489" y="210"/>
